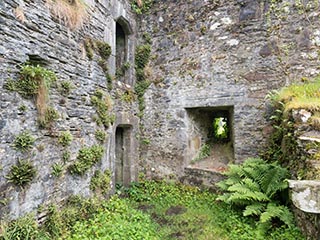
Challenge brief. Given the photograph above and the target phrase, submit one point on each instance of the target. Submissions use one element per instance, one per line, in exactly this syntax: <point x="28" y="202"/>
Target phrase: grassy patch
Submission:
<point x="152" y="210"/>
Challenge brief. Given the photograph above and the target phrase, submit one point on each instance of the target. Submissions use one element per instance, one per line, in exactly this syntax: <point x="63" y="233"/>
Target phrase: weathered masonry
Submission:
<point x="90" y="115"/>
<point x="212" y="63"/>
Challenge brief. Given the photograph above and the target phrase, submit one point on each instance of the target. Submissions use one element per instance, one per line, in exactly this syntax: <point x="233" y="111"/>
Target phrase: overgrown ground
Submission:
<point x="149" y="210"/>
<point x="158" y="210"/>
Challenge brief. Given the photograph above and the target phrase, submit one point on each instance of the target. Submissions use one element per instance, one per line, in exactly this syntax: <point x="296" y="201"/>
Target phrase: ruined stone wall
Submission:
<point x="29" y="32"/>
<point x="221" y="53"/>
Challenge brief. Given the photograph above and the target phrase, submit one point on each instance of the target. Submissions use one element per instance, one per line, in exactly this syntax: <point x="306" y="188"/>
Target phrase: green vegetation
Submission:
<point x="57" y="169"/>
<point x="104" y="49"/>
<point x="87" y="157"/>
<point x="283" y="145"/>
<point x="23" y="108"/>
<point x="89" y="47"/>
<point x="35" y="81"/>
<point x="220" y="129"/>
<point x="32" y="79"/>
<point x="203" y="153"/>
<point x="258" y="188"/>
<point x="103" y="103"/>
<point x="49" y="117"/>
<point x="22" y="173"/>
<point x="66" y="156"/>
<point x="65" y="139"/>
<point x="100" y="182"/>
<point x="122" y="70"/>
<point x="23" y="142"/>
<point x="299" y="96"/>
<point x="100" y="136"/>
<point x="65" y="88"/>
<point x="147" y="210"/>
<point x="141" y="6"/>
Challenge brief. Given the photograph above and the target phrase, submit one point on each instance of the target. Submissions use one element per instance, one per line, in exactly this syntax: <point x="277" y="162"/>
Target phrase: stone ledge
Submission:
<point x="305" y="195"/>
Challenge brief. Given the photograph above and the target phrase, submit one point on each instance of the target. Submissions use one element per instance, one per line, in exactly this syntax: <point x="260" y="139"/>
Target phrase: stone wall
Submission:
<point x="29" y="32"/>
<point x="211" y="54"/>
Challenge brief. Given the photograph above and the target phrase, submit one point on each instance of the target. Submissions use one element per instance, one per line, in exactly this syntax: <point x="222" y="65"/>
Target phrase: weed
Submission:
<point x="65" y="88"/>
<point x="48" y="118"/>
<point x="104" y="49"/>
<point x="23" y="142"/>
<point x="35" y="81"/>
<point x="128" y="96"/>
<point x="66" y="156"/>
<point x="23" y="228"/>
<point x="72" y="13"/>
<point x="145" y="141"/>
<point x="122" y="70"/>
<point x="141" y="6"/>
<point x="65" y="139"/>
<point x="89" y="47"/>
<point x="22" y="108"/>
<point x="57" y="169"/>
<point x="22" y="173"/>
<point x="100" y="136"/>
<point x="103" y="103"/>
<point x="203" y="153"/>
<point x="100" y="182"/>
<point x="86" y="158"/>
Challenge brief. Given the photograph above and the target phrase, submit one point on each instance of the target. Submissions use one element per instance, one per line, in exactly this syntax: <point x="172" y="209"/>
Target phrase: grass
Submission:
<point x="300" y="96"/>
<point x="72" y="13"/>
<point x="152" y="210"/>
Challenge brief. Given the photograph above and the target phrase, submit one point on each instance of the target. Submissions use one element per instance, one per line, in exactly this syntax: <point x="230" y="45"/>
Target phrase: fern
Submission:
<point x="254" y="209"/>
<point x="257" y="186"/>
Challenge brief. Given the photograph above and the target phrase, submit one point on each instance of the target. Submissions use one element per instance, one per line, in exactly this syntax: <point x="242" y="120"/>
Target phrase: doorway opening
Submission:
<point x="122" y="154"/>
<point x="210" y="144"/>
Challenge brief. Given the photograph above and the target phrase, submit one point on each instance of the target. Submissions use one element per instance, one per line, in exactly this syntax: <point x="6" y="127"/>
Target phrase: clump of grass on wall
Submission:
<point x="23" y="142"/>
<point x="71" y="13"/>
<point x="35" y="82"/>
<point x="87" y="157"/>
<point x="22" y="173"/>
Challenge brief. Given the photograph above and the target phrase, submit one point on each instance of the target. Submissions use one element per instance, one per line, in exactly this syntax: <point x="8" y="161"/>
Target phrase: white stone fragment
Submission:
<point x="222" y="38"/>
<point x="161" y="19"/>
<point x="233" y="42"/>
<point x="226" y="20"/>
<point x="217" y="13"/>
<point x="214" y="26"/>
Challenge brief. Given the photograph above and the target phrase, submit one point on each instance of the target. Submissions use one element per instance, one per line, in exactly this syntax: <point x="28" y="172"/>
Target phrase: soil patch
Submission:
<point x="176" y="210"/>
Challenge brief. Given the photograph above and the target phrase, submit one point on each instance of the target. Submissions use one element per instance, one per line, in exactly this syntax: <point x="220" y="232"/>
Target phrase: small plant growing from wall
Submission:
<point x="22" y="173"/>
<point x="142" y="56"/>
<point x="65" y="139"/>
<point x="204" y="152"/>
<point x="87" y="157"/>
<point x="66" y="156"/>
<point x="24" y="141"/>
<point x="65" y="88"/>
<point x="57" y="169"/>
<point x="141" y="6"/>
<point x="100" y="136"/>
<point x="72" y="13"/>
<point x="35" y="82"/>
<point x="103" y="104"/>
<point x="100" y="182"/>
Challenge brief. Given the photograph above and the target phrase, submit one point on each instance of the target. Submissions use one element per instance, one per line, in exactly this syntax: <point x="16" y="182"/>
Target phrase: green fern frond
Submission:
<point x="277" y="211"/>
<point x="254" y="209"/>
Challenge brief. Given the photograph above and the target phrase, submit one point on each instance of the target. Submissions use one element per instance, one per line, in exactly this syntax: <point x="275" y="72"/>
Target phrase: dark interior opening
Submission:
<point x="122" y="150"/>
<point x="210" y="134"/>
<point x="121" y="46"/>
